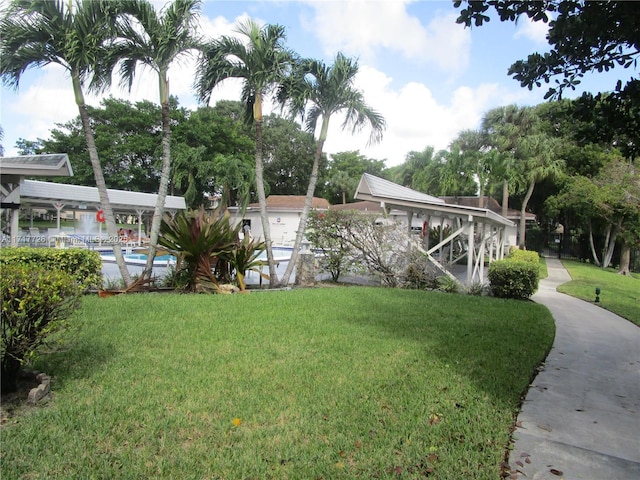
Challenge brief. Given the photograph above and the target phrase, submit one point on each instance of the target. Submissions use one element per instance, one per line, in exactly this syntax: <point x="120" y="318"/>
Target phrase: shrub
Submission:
<point x="84" y="266"/>
<point x="420" y="274"/>
<point x="36" y="301"/>
<point x="324" y="233"/>
<point x="448" y="284"/>
<point x="513" y="279"/>
<point x="525" y="256"/>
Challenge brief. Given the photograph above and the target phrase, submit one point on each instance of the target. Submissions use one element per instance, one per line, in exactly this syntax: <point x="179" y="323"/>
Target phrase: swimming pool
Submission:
<point x="141" y="259"/>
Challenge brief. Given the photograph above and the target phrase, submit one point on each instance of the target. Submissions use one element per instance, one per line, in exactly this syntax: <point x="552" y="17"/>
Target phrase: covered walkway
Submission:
<point x="479" y="232"/>
<point x="19" y="193"/>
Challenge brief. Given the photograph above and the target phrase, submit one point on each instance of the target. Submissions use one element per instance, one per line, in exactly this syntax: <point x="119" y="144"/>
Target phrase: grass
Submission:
<point x="544" y="271"/>
<point x="343" y="382"/>
<point x="619" y="294"/>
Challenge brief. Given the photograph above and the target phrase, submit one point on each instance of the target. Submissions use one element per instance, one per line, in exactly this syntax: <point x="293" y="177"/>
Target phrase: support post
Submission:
<point x="471" y="253"/>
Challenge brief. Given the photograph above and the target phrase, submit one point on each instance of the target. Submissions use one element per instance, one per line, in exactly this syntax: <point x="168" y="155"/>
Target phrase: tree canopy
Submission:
<point x="584" y="37"/>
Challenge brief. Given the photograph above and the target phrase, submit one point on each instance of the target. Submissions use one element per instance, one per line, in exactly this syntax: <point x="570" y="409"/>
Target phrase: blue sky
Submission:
<point x="427" y="75"/>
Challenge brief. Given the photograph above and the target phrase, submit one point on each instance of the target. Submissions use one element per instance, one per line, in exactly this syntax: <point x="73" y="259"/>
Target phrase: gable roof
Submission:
<point x="379" y="187"/>
<point x="47" y="165"/>
<point x="403" y="198"/>
<point x="292" y="202"/>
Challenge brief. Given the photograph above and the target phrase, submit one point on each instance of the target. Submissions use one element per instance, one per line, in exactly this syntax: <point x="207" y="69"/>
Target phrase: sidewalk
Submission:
<point x="581" y="416"/>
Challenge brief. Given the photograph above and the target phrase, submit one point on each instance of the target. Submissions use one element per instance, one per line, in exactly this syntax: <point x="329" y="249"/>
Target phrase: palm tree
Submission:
<point x="506" y="127"/>
<point x="538" y="160"/>
<point x="261" y="63"/>
<point x="327" y="90"/>
<point x="78" y="38"/>
<point x="156" y="40"/>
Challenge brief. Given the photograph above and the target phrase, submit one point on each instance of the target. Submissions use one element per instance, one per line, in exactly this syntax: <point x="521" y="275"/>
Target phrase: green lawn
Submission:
<point x="619" y="294"/>
<point x="342" y="382"/>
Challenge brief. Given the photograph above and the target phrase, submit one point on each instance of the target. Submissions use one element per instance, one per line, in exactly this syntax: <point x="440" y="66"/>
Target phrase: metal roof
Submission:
<point x="393" y="195"/>
<point x="379" y="187"/>
<point x="36" y="193"/>
<point x="46" y="165"/>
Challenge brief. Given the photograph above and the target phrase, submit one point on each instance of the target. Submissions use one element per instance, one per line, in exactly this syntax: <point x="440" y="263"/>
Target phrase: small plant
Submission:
<point x="35" y="303"/>
<point x="200" y="241"/>
<point x="243" y="258"/>
<point x="477" y="289"/>
<point x="448" y="284"/>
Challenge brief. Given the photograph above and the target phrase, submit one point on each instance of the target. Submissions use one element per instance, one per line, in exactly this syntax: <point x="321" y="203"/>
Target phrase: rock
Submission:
<point x="41" y="391"/>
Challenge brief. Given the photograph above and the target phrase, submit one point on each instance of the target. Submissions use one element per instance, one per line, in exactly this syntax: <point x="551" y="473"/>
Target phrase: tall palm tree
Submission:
<point x="76" y="36"/>
<point x="537" y="160"/>
<point x="473" y="147"/>
<point x="326" y="91"/>
<point x="156" y="40"/>
<point x="261" y="63"/>
<point x="506" y="127"/>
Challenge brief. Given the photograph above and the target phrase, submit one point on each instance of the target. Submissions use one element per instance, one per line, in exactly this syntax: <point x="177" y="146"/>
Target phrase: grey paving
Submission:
<point x="581" y="416"/>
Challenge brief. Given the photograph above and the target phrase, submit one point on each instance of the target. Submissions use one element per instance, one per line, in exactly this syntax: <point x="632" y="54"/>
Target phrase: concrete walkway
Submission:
<point x="581" y="416"/>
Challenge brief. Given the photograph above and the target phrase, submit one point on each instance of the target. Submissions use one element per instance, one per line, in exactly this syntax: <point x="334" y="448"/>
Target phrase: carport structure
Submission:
<point x="481" y="232"/>
<point x="18" y="192"/>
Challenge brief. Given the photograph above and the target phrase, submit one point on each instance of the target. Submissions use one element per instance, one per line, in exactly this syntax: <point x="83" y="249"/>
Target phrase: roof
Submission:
<point x="490" y="203"/>
<point x="379" y="187"/>
<point x="292" y="202"/>
<point x="47" y="165"/>
<point x="392" y="195"/>
<point x="35" y="192"/>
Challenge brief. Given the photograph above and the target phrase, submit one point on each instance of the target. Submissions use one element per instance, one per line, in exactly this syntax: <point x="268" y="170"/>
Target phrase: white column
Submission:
<point x="470" y="249"/>
<point x="15" y="226"/>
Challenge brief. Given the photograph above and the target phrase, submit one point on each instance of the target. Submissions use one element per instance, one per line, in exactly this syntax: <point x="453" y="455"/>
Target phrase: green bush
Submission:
<point x="525" y="256"/>
<point x="36" y="301"/>
<point x="84" y="266"/>
<point x="513" y="278"/>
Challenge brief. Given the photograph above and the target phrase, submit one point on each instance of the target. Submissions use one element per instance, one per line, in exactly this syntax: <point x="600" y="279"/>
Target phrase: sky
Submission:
<point x="428" y="76"/>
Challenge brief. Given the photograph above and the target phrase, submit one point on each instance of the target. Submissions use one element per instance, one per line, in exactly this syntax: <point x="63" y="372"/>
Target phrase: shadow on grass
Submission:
<point x="495" y="344"/>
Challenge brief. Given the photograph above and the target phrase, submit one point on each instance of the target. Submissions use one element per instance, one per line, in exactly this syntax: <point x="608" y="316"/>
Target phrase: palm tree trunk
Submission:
<point x="105" y="204"/>
<point x="262" y="198"/>
<point x="307" y="201"/>
<point x="523" y="211"/>
<point x="505" y="198"/>
<point x="164" y="175"/>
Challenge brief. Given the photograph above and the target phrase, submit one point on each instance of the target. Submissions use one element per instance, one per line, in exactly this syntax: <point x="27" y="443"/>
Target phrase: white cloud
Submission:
<point x="414" y="117"/>
<point x="362" y="28"/>
<point x="534" y="31"/>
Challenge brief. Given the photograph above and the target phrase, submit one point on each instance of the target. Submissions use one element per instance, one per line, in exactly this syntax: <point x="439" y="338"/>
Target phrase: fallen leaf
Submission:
<point x="433" y="419"/>
<point x="556" y="472"/>
<point x="519" y="463"/>
<point x="342" y="453"/>
<point x="527" y="460"/>
<point x="524" y="454"/>
<point x="358" y="444"/>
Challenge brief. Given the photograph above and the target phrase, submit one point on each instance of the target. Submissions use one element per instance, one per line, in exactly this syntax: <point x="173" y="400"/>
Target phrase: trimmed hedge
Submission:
<point x="84" y="266"/>
<point x="525" y="256"/>
<point x="513" y="278"/>
<point x="36" y="301"/>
